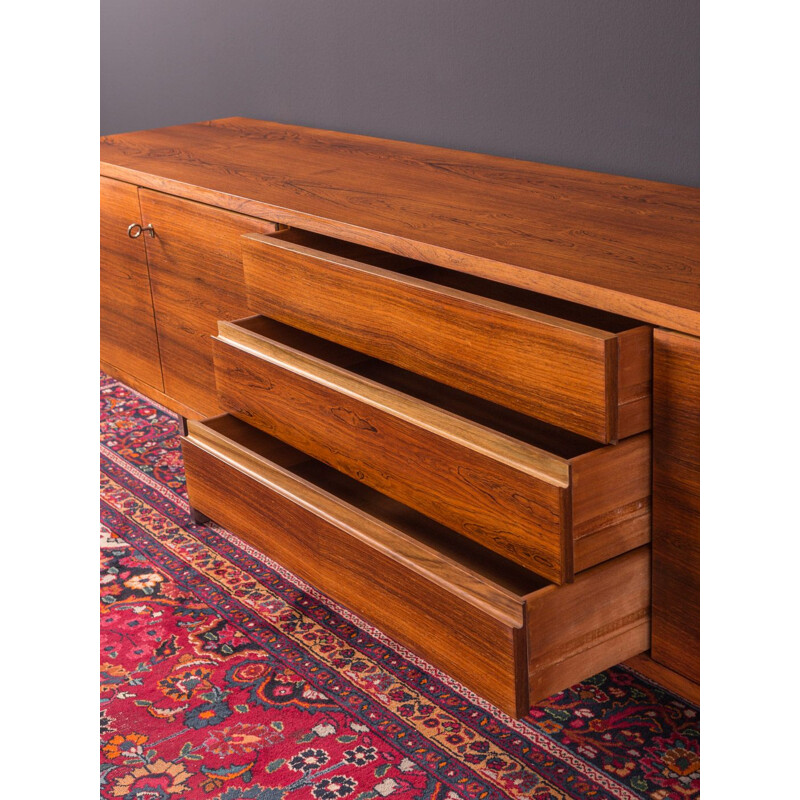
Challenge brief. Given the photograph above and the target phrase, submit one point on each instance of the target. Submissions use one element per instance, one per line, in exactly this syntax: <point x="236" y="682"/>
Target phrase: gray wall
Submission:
<point x="609" y="85"/>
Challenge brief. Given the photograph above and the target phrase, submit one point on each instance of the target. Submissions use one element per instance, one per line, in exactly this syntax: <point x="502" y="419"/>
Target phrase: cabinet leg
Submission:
<point x="198" y="517"/>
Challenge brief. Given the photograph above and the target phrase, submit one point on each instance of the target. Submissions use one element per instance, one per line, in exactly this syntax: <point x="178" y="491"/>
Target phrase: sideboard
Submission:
<point x="458" y="393"/>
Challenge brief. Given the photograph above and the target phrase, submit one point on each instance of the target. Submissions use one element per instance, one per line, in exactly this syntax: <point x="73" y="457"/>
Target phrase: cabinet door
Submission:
<point x="195" y="263"/>
<point x="127" y="325"/>
<point x="676" y="502"/>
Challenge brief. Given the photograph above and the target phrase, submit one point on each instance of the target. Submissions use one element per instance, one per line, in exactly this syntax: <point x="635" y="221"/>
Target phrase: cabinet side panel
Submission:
<point x="127" y="325"/>
<point x="676" y="503"/>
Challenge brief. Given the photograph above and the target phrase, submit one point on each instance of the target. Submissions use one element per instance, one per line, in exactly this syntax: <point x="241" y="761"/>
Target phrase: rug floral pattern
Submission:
<point x="225" y="677"/>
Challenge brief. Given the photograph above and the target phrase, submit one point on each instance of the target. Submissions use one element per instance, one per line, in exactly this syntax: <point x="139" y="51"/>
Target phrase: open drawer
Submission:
<point x="502" y="631"/>
<point x="550" y="500"/>
<point x="572" y="366"/>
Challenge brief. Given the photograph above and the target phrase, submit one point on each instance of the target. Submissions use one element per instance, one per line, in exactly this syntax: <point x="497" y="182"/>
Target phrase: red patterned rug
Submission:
<point x="225" y="677"/>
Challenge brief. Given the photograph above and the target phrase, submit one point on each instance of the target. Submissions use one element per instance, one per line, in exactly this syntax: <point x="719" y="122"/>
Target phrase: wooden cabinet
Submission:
<point x="440" y="369"/>
<point x="128" y="338"/>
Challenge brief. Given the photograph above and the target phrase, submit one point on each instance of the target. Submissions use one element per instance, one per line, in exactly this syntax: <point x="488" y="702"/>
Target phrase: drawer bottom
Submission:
<point x="502" y="631"/>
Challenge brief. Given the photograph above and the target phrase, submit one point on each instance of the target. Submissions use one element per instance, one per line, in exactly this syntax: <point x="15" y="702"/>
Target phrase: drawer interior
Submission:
<point x="557" y="441"/>
<point x="434" y="541"/>
<point x="452" y="279"/>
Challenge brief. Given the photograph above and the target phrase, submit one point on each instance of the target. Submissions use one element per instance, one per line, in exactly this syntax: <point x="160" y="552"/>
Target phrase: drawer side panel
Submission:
<point x="580" y="629"/>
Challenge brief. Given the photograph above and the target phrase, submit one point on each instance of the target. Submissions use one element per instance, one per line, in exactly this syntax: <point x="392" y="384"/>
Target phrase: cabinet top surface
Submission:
<point x="625" y="245"/>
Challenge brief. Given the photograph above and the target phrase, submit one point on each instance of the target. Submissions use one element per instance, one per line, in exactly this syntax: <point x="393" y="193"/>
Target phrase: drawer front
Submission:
<point x="511" y="497"/>
<point x="299" y="528"/>
<point x="582" y="378"/>
<point x="496" y="503"/>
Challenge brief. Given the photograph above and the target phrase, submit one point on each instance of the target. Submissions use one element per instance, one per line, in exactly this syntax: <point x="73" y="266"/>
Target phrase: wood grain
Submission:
<point x="127" y="325"/>
<point x="676" y="503"/>
<point x="580" y="629"/>
<point x="196" y="273"/>
<point x="378" y="437"/>
<point x="475" y="615"/>
<point x="625" y="245"/>
<point x="556" y="369"/>
<point x="479" y="576"/>
<point x="634" y="380"/>
<point x="611" y="510"/>
<point x="312" y="535"/>
<point x="610" y="243"/>
<point x="441" y="452"/>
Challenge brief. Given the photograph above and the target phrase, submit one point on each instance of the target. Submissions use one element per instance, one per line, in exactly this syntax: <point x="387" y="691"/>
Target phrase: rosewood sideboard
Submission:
<point x="458" y="393"/>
